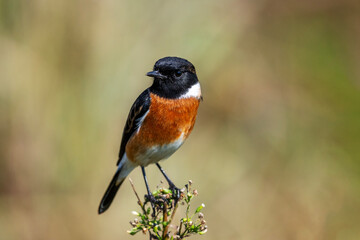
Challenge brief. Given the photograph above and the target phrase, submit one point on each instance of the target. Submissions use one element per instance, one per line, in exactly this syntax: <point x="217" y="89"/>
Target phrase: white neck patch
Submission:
<point x="194" y="91"/>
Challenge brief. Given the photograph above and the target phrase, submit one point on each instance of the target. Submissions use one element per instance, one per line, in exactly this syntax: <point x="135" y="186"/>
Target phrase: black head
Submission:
<point x="173" y="77"/>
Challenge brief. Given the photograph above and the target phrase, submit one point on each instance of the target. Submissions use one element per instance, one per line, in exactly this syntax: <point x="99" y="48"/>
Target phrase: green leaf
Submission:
<point x="199" y="208"/>
<point x="133" y="231"/>
<point x="166" y="191"/>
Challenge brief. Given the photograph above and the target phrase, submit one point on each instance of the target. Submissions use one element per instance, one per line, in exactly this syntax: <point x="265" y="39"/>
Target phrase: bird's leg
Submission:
<point x="150" y="197"/>
<point x="173" y="188"/>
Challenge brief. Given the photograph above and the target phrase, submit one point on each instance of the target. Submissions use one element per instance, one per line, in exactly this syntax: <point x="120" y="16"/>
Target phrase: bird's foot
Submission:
<point x="150" y="198"/>
<point x="176" y="193"/>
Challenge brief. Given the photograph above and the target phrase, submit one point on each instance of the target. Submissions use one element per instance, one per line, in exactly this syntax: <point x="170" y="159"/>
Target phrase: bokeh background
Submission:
<point x="275" y="151"/>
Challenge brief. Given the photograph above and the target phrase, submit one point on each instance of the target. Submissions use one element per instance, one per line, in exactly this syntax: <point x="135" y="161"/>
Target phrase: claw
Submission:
<point x="175" y="192"/>
<point x="150" y="198"/>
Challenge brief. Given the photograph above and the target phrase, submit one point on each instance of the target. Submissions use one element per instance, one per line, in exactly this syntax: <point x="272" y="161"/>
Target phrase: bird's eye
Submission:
<point x="178" y="74"/>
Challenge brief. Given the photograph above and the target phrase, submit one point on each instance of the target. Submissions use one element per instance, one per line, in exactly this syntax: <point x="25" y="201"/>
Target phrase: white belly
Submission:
<point x="159" y="152"/>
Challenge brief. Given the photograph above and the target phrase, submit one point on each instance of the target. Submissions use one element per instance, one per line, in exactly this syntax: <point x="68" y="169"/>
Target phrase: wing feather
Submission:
<point x="136" y="115"/>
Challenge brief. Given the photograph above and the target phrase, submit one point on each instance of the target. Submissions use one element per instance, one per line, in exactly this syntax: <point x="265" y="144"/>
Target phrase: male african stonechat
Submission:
<point x="159" y="122"/>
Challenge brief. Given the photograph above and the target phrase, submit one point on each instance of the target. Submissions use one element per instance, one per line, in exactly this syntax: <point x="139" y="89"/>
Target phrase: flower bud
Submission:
<point x="135" y="213"/>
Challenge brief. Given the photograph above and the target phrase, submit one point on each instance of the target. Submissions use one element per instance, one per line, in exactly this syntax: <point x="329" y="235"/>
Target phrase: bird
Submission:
<point x="159" y="122"/>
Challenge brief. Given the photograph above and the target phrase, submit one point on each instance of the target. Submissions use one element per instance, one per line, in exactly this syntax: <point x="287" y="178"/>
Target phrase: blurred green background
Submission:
<point x="275" y="151"/>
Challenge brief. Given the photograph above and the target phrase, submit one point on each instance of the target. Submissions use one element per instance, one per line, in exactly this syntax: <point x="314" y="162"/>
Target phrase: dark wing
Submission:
<point x="136" y="115"/>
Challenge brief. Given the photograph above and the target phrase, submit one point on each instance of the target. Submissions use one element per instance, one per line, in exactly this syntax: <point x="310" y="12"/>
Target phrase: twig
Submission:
<point x="165" y="218"/>
<point x="137" y="196"/>
<point x="173" y="213"/>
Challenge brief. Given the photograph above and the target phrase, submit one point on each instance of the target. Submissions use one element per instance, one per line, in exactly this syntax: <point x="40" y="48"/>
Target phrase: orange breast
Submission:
<point x="167" y="120"/>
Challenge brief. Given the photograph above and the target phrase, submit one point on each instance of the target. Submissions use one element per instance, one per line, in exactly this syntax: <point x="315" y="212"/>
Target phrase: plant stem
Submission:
<point x="165" y="219"/>
<point x="137" y="196"/>
<point x="173" y="213"/>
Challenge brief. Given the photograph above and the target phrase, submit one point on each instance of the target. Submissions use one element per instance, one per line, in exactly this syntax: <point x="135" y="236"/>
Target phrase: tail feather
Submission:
<point x="125" y="167"/>
<point x="111" y="192"/>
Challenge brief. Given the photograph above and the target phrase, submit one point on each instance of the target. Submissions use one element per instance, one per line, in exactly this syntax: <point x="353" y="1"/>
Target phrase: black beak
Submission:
<point x="155" y="74"/>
